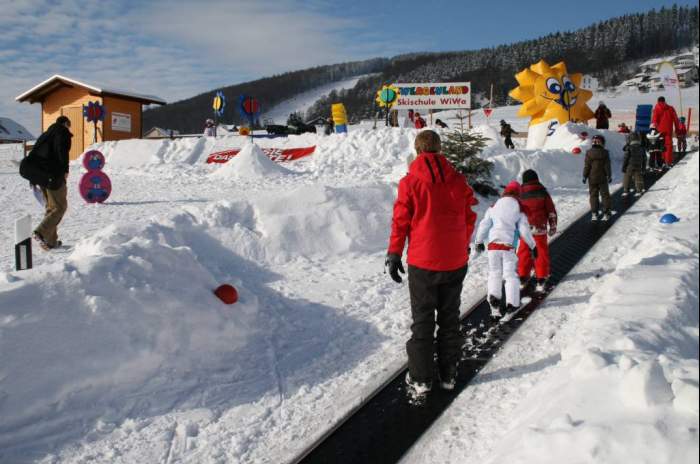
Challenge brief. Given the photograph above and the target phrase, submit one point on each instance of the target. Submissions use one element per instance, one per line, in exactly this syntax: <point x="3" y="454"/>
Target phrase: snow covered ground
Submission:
<point x="606" y="370"/>
<point x="117" y="350"/>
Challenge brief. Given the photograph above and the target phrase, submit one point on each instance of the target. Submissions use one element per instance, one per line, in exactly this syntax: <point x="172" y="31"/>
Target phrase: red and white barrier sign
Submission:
<point x="275" y="154"/>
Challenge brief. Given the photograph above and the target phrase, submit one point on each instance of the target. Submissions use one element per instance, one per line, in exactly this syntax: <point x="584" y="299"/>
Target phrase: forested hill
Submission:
<point x="608" y="50"/>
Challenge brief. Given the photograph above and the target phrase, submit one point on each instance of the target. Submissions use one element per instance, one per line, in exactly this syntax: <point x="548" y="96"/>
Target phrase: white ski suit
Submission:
<point x="502" y="225"/>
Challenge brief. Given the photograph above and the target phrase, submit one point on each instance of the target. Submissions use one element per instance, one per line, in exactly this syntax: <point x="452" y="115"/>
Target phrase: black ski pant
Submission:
<point x="434" y="293"/>
<point x="509" y="142"/>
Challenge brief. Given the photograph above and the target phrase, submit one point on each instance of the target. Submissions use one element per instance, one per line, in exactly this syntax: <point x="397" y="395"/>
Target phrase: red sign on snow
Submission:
<point x="275" y="154"/>
<point x="488" y="111"/>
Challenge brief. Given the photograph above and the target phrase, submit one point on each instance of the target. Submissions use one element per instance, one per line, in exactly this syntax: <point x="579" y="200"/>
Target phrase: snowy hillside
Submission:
<point x="117" y="350"/>
<point x="301" y="102"/>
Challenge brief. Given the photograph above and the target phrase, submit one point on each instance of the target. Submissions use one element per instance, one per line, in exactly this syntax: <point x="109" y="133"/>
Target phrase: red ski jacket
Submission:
<point x="681" y="130"/>
<point x="419" y="122"/>
<point x="538" y="206"/>
<point x="434" y="211"/>
<point x="664" y="118"/>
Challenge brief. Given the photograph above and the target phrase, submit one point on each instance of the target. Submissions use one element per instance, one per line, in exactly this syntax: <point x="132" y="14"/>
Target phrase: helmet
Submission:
<point x="209" y="121"/>
<point x="503" y="121"/>
<point x="634" y="137"/>
<point x="600" y="140"/>
<point x="682" y="118"/>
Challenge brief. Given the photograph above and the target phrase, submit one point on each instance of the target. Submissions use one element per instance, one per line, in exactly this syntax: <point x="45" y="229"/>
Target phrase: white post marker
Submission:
<point x="23" y="243"/>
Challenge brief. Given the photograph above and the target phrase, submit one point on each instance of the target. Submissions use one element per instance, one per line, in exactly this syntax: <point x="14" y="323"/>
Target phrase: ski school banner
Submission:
<point x="275" y="154"/>
<point x="442" y="96"/>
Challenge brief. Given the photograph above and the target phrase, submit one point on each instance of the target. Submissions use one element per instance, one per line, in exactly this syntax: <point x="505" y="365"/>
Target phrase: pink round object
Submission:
<point x="93" y="160"/>
<point x="576" y="150"/>
<point x="95" y="187"/>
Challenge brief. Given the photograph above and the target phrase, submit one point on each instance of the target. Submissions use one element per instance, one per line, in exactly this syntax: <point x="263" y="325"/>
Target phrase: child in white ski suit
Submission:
<point x="501" y="225"/>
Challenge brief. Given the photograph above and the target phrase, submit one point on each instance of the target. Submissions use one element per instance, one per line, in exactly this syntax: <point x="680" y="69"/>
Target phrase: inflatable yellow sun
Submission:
<point x="550" y="93"/>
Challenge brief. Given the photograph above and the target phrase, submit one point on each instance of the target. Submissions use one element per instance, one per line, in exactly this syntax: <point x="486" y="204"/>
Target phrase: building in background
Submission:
<point x="12" y="132"/>
<point x="61" y="95"/>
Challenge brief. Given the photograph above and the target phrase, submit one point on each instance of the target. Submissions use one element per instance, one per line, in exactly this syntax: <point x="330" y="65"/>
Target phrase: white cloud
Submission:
<point x="173" y="49"/>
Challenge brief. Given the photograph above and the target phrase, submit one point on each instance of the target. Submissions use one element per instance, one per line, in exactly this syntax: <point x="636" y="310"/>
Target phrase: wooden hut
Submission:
<point x="61" y="95"/>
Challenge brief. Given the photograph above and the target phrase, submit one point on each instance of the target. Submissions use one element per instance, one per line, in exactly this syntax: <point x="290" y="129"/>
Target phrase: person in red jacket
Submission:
<point x="418" y="121"/>
<point x="542" y="216"/>
<point x="433" y="210"/>
<point x="665" y="119"/>
<point x="681" y="136"/>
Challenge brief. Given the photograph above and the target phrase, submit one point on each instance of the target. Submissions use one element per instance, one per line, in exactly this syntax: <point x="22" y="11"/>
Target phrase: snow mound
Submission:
<point x="132" y="309"/>
<point x="311" y="221"/>
<point x="570" y="135"/>
<point x="250" y="163"/>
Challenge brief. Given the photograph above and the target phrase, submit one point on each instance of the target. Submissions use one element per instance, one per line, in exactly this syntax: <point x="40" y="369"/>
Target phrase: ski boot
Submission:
<point x="625" y="193"/>
<point x="495" y="305"/>
<point x="541" y="286"/>
<point x="595" y="216"/>
<point x="448" y="378"/>
<point x="417" y="391"/>
<point x="606" y="216"/>
<point x="524" y="282"/>
<point x="510" y="309"/>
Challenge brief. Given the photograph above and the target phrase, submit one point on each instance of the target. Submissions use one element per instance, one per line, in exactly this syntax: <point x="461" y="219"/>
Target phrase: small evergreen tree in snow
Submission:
<point x="461" y="147"/>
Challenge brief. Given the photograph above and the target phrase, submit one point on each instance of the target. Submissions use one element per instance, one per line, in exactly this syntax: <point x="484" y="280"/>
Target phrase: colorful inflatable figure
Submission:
<point x="340" y="118"/>
<point x="550" y="96"/>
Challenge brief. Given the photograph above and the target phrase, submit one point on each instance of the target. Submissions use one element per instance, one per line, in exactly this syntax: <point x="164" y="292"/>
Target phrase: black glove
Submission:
<point x="584" y="180"/>
<point x="393" y="262"/>
<point x="480" y="248"/>
<point x="609" y="180"/>
<point x="534" y="252"/>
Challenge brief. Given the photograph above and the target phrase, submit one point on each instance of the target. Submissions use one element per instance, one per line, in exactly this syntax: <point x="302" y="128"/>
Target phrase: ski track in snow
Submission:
<point x="326" y="327"/>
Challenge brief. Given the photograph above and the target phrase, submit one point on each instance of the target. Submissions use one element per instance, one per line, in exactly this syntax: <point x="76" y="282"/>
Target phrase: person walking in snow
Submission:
<point x="498" y="233"/>
<point x="597" y="173"/>
<point x="634" y="165"/>
<point x="542" y="216"/>
<point x="418" y="121"/>
<point x="47" y="166"/>
<point x="681" y="136"/>
<point x="507" y="132"/>
<point x="665" y="119"/>
<point x="433" y="210"/>
<point x="602" y="115"/>
<point x="209" y="128"/>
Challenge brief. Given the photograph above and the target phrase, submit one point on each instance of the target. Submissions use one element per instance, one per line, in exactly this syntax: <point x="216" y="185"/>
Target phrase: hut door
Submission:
<point x="75" y="114"/>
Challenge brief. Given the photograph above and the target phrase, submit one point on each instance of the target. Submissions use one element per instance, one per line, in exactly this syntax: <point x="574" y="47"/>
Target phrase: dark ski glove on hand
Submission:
<point x="480" y="248"/>
<point x="534" y="253"/>
<point x="393" y="262"/>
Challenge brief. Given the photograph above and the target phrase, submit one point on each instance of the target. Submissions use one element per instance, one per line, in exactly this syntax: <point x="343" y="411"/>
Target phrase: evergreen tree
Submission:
<point x="461" y="147"/>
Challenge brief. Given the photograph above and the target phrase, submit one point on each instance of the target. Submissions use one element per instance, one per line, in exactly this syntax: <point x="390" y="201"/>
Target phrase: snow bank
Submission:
<point x="250" y="163"/>
<point x="131" y="310"/>
<point x="312" y="221"/>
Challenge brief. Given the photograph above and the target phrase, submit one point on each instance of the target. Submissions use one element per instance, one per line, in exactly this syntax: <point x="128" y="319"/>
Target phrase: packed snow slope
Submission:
<point x="117" y="350"/>
<point x="606" y="370"/>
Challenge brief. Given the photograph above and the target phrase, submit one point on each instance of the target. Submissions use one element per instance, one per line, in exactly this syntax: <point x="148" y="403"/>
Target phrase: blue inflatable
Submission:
<point x="643" y="118"/>
<point x="668" y="218"/>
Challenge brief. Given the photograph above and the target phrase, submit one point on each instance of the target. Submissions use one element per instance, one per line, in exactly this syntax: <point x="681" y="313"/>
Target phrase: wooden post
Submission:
<point x="469" y="117"/>
<point x="430" y="112"/>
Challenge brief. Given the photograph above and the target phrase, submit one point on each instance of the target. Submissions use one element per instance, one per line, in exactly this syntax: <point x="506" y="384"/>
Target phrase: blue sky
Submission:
<point x="176" y="48"/>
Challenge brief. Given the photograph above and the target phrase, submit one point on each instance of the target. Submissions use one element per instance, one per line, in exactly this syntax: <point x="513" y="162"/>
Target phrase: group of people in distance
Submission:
<point x="433" y="211"/>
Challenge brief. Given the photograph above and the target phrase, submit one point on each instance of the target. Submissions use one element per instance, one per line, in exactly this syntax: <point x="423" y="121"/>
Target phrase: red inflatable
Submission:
<point x="576" y="150"/>
<point x="227" y="293"/>
<point x="275" y="154"/>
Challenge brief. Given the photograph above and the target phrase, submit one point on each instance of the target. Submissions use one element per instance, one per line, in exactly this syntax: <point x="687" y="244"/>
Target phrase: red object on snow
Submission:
<point x="275" y="154"/>
<point x="433" y="211"/>
<point x="227" y="293"/>
<point x="488" y="111"/>
<point x="576" y="150"/>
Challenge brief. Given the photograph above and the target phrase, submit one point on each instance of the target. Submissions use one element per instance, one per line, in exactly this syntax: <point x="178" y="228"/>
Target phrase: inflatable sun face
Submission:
<point x="549" y="92"/>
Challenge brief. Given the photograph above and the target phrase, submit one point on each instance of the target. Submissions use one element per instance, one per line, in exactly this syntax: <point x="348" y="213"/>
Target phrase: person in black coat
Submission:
<point x="602" y="115"/>
<point x="507" y="132"/>
<point x="47" y="166"/>
<point x="634" y="164"/>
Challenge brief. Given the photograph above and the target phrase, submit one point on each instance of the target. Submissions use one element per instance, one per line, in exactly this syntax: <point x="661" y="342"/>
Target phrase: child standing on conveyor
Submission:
<point x="500" y="228"/>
